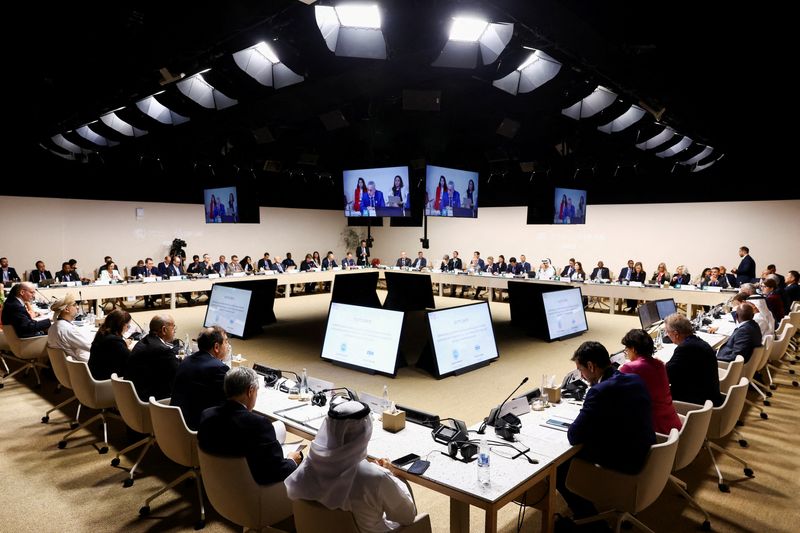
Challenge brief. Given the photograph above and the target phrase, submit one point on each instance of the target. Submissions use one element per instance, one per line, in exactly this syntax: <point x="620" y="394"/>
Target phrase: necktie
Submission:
<point x="628" y="275"/>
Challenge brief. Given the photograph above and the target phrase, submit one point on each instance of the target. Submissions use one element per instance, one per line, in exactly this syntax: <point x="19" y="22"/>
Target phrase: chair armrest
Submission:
<point x="684" y="407"/>
<point x="723" y="364"/>
<point x="422" y="524"/>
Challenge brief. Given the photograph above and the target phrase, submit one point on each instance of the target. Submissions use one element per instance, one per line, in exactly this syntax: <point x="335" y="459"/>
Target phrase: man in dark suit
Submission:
<point x="615" y="425"/>
<point x="626" y="273"/>
<point x="7" y="273"/>
<point x="16" y="315"/>
<point x="329" y="262"/>
<point x="403" y="261"/>
<point x="746" y="337"/>
<point x="569" y="270"/>
<point x="600" y="272"/>
<point x="233" y="430"/>
<point x="729" y="278"/>
<point x="373" y="198"/>
<point x="265" y="263"/>
<point x="746" y="271"/>
<point x="455" y="265"/>
<point x="715" y="279"/>
<point x="153" y="362"/>
<point x="163" y="266"/>
<point x="362" y="254"/>
<point x="199" y="378"/>
<point x="476" y="263"/>
<point x="523" y="263"/>
<point x="692" y="370"/>
<point x="420" y="262"/>
<point x="196" y="267"/>
<point x="772" y="269"/>
<point x="66" y="273"/>
<point x="791" y="293"/>
<point x="348" y="261"/>
<point x="221" y="266"/>
<point x="40" y="274"/>
<point x="176" y="268"/>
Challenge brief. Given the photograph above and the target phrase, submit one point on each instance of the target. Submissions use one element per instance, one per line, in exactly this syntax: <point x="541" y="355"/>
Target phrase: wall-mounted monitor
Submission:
<point x="228" y="308"/>
<point x="377" y="192"/>
<point x="569" y="206"/>
<point x="652" y="312"/>
<point x="363" y="338"/>
<point x="564" y="313"/>
<point x="230" y="205"/>
<point x="462" y="338"/>
<point x="450" y="192"/>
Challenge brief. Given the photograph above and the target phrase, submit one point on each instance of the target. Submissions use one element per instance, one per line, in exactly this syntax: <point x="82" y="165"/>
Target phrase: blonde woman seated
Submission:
<point x="336" y="473"/>
<point x="110" y="273"/>
<point x="66" y="336"/>
<point x="661" y="276"/>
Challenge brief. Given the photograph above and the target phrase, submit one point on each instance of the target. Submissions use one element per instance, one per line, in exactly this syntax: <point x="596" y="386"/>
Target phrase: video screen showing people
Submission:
<point x="450" y="192"/>
<point x="377" y="192"/>
<point x="570" y="206"/>
<point x="221" y="205"/>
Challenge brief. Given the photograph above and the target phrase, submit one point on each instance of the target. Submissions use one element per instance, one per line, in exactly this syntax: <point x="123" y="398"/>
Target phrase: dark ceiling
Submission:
<point x="701" y="66"/>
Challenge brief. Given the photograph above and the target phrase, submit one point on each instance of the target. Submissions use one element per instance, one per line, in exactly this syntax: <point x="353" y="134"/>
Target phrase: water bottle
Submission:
<point x="90" y="318"/>
<point x="483" y="463"/>
<point x="187" y="345"/>
<point x="304" y="382"/>
<point x="385" y="405"/>
<point x="229" y="356"/>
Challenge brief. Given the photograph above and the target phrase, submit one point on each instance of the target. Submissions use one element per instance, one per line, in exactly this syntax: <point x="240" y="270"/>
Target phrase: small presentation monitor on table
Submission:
<point x="652" y="312"/>
<point x="227" y="308"/>
<point x="564" y="312"/>
<point x="462" y="338"/>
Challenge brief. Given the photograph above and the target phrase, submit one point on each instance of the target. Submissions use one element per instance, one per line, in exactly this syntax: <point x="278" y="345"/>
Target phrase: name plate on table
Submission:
<point x="239" y="274"/>
<point x="150" y="279"/>
<point x="371" y="212"/>
<point x="712" y="289"/>
<point x="518" y="407"/>
<point x="213" y="276"/>
<point x="293" y="271"/>
<point x="72" y="283"/>
<point x="99" y="282"/>
<point x="688" y="288"/>
<point x="267" y="272"/>
<point x="175" y="278"/>
<point x="375" y="403"/>
<point x="636" y="284"/>
<point x="316" y="385"/>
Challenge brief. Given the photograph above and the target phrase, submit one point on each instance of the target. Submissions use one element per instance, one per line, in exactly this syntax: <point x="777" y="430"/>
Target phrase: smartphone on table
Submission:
<point x="406" y="459"/>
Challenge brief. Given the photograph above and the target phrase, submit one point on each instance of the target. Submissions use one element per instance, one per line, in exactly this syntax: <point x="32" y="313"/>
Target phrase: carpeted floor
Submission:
<point x="45" y="489"/>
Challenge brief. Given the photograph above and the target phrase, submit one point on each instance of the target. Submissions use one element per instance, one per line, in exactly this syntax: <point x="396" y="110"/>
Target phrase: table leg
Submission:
<point x="288" y="290"/>
<point x="689" y="311"/>
<point x="549" y="504"/>
<point x="459" y="517"/>
<point x="491" y="520"/>
<point x="612" y="306"/>
<point x="172" y="296"/>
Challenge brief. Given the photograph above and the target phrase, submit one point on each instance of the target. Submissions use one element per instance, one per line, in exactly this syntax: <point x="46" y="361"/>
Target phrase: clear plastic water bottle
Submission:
<point x="386" y="403"/>
<point x="187" y="345"/>
<point x="229" y="356"/>
<point x="483" y="463"/>
<point x="304" y="382"/>
<point x="90" y="318"/>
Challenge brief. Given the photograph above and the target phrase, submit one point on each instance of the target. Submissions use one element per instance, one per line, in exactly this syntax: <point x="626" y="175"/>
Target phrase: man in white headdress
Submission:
<point x="546" y="270"/>
<point x="336" y="473"/>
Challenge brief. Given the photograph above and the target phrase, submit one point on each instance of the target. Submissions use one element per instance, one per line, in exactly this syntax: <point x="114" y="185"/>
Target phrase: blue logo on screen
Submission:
<point x="343" y="347"/>
<point x="370" y="352"/>
<point x="455" y="354"/>
<point x="477" y="347"/>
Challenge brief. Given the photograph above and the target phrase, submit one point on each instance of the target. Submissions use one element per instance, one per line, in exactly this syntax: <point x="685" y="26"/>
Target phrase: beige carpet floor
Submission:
<point x="45" y="489"/>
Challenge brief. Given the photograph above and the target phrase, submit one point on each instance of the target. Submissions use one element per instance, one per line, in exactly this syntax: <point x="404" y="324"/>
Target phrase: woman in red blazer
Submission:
<point x="437" y="199"/>
<point x="361" y="187"/>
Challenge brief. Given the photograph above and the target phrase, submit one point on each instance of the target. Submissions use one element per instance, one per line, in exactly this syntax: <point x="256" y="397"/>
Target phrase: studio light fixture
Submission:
<point x="262" y="64"/>
<point x="197" y="89"/>
<point x="471" y="39"/>
<point x="61" y="141"/>
<point x="587" y="107"/>
<point x="113" y="121"/>
<point x="657" y="140"/>
<point x="535" y="71"/>
<point x="158" y="111"/>
<point x="352" y="29"/>
<point x="676" y="148"/>
<point x="699" y="157"/>
<point x="633" y="115"/>
<point x="90" y="135"/>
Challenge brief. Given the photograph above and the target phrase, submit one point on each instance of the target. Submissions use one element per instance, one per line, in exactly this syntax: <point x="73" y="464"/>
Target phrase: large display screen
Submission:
<point x="462" y="337"/>
<point x="450" y="192"/>
<point x="569" y="206"/>
<point x="222" y="205"/>
<point x="377" y="192"/>
<point x="652" y="312"/>
<point x="227" y="308"/>
<point x="564" y="312"/>
<point x="364" y="338"/>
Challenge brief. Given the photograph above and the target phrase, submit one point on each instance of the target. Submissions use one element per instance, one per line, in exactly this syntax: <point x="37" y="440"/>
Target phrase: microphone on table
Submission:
<point x="491" y="420"/>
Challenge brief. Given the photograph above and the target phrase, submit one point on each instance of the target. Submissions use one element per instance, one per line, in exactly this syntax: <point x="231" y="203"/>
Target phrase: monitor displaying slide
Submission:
<point x="364" y="338"/>
<point x="462" y="337"/>
<point x="652" y="312"/>
<point x="564" y="313"/>
<point x="569" y="206"/>
<point x="227" y="308"/>
<point x="377" y="192"/>
<point x="451" y="192"/>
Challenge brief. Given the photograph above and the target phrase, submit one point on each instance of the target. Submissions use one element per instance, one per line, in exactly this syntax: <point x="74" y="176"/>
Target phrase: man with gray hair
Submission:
<point x="374" y="197"/>
<point x="233" y="430"/>
<point x="15" y="312"/>
<point x="692" y="370"/>
<point x="153" y="361"/>
<point x="746" y="337"/>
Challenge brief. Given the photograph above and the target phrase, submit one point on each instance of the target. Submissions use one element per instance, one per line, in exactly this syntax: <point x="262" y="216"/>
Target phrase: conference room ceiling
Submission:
<point x="685" y="62"/>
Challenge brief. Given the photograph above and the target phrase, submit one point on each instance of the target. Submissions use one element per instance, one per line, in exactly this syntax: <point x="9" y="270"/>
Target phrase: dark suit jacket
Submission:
<point x="360" y="253"/>
<point x="600" y="273"/>
<point x="198" y="386"/>
<point x="746" y="271"/>
<point x="328" y="264"/>
<point x="731" y="279"/>
<point x="615" y="424"/>
<point x="745" y="338"/>
<point x="36" y="276"/>
<point x="16" y="315"/>
<point x="151" y="367"/>
<point x="623" y="274"/>
<point x="403" y="262"/>
<point x="278" y="267"/>
<point x="218" y="266"/>
<point x="72" y="276"/>
<point x="499" y="268"/>
<point x="175" y="270"/>
<point x="790" y="294"/>
<point x="198" y="268"/>
<point x="163" y="268"/>
<point x="266" y="264"/>
<point x="12" y="275"/>
<point x="565" y="273"/>
<point x="692" y="371"/>
<point x="136" y="270"/>
<point x="108" y="354"/>
<point x="721" y="281"/>
<point x="455" y="264"/>
<point x="376" y="200"/>
<point x="231" y="430"/>
<point x="641" y="277"/>
<point x="420" y="262"/>
<point x="682" y="279"/>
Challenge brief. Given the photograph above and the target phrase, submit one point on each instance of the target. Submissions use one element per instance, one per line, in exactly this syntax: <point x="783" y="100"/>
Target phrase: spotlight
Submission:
<point x="352" y="30"/>
<point x="262" y="64"/>
<point x="197" y="89"/>
<point x="471" y="38"/>
<point x="535" y="71"/>
<point x="587" y="107"/>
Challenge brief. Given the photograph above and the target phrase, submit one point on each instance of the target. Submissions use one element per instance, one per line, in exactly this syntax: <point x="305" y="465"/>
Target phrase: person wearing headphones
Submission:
<point x="233" y="430"/>
<point x="336" y="473"/>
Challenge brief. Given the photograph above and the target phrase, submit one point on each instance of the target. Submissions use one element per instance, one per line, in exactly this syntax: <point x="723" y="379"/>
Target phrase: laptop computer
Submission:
<point x="47" y="282"/>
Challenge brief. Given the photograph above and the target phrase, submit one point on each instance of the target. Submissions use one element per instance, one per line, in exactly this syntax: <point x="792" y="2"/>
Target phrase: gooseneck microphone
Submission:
<point x="492" y="418"/>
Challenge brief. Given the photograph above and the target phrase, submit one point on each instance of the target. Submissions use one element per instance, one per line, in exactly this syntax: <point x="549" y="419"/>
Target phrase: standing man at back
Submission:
<point x="746" y="271"/>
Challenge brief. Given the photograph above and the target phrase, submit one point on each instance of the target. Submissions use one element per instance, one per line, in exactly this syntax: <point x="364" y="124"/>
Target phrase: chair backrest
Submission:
<point x="656" y="471"/>
<point x="781" y="344"/>
<point x="90" y="392"/>
<point x="730" y="377"/>
<point x="769" y="344"/>
<point x="27" y="348"/>
<point x="692" y="435"/>
<point x="3" y="341"/>
<point x="724" y="417"/>
<point x="135" y="413"/>
<point x="58" y="360"/>
<point x="174" y="437"/>
<point x="754" y="363"/>
<point x="234" y="493"/>
<point x="311" y="517"/>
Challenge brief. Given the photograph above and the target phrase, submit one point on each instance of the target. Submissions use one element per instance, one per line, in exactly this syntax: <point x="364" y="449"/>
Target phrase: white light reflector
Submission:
<point x="467" y="29"/>
<point x="359" y="16"/>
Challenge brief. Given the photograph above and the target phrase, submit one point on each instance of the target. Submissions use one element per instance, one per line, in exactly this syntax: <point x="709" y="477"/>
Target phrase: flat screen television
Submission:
<point x="363" y="338"/>
<point x="462" y="338"/>
<point x="564" y="312"/>
<point x="227" y="308"/>
<point x="377" y="192"/>
<point x="652" y="312"/>
<point x="450" y="192"/>
<point x="230" y="205"/>
<point x="569" y="206"/>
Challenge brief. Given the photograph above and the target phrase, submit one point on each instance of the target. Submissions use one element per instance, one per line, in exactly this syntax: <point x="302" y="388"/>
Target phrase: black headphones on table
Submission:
<point x="468" y="450"/>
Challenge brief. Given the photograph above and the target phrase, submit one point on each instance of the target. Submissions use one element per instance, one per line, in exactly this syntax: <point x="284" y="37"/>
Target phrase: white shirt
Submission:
<point x="66" y="336"/>
<point x="546" y="273"/>
<point x="379" y="501"/>
<point x="105" y="277"/>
